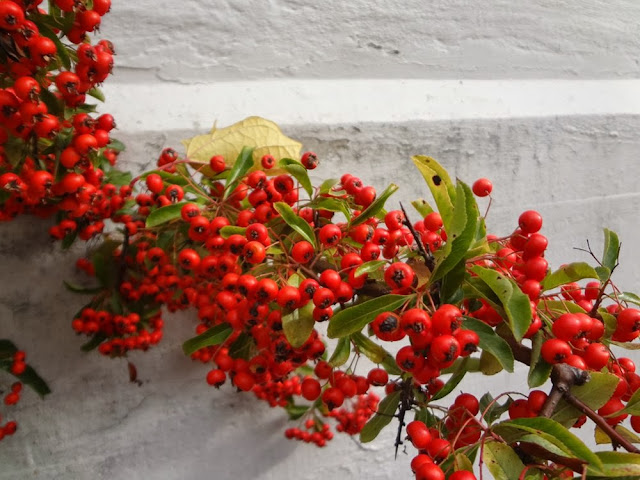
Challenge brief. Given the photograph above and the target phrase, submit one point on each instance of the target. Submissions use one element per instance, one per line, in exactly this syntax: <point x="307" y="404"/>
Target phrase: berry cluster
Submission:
<point x="265" y="268"/>
<point x="54" y="155"/>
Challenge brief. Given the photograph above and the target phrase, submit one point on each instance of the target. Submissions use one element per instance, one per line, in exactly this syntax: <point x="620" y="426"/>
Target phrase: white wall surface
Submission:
<point x="541" y="97"/>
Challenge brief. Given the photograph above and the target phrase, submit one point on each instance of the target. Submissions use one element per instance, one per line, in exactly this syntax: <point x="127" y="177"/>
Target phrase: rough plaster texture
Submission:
<point x="202" y="40"/>
<point x="580" y="172"/>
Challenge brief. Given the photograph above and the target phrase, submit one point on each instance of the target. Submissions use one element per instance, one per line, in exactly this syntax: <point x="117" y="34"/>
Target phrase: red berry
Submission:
<point x="482" y="187"/>
<point x="310" y="389"/>
<point x="530" y="221"/>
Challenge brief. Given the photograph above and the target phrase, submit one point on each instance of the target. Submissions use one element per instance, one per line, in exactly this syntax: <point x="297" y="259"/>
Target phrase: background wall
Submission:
<point x="543" y="99"/>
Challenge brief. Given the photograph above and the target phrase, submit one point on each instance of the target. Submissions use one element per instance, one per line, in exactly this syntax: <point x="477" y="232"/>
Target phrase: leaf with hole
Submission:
<point x="440" y="185"/>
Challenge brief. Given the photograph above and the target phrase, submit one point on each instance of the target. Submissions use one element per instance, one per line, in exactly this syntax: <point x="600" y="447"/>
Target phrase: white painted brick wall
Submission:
<point x="541" y="97"/>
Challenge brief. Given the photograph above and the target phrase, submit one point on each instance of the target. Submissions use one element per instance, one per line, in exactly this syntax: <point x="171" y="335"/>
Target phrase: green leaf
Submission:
<point x="376" y="207"/>
<point x="602" y="438"/>
<point x="341" y="353"/>
<point x="595" y="393"/>
<point x="353" y="319"/>
<point x="619" y="464"/>
<point x="165" y="214"/>
<point x="242" y="347"/>
<point x="611" y="249"/>
<point x="297" y="170"/>
<point x="31" y="379"/>
<point x="440" y="184"/>
<point x="68" y="240"/>
<point x="104" y="265"/>
<point x="554" y="433"/>
<point x="515" y="303"/>
<point x="492" y="409"/>
<point x="386" y="410"/>
<point x="629" y="298"/>
<point x="368" y="267"/>
<point x="118" y="146"/>
<point x="560" y="306"/>
<point x="603" y="273"/>
<point x="93" y="343"/>
<point x="376" y="353"/>
<point x="489" y="365"/>
<point x="214" y="336"/>
<point x="451" y="284"/>
<point x="567" y="274"/>
<point x="422" y="207"/>
<point x="228" y="230"/>
<point x="7" y="348"/>
<point x="299" y="224"/>
<point x="72" y="287"/>
<point x="626" y="345"/>
<point x="462" y="462"/>
<point x="242" y="165"/>
<point x="453" y="382"/>
<point x="298" y="325"/>
<point x="331" y="204"/>
<point x="502" y="461"/>
<point x="96" y="93"/>
<point x="325" y="187"/>
<point x="539" y="370"/>
<point x="296" y="411"/>
<point x="460" y="232"/>
<point x="633" y="405"/>
<point x="61" y="49"/>
<point x="53" y="103"/>
<point x="117" y="177"/>
<point x="491" y="342"/>
<point x="167" y="177"/>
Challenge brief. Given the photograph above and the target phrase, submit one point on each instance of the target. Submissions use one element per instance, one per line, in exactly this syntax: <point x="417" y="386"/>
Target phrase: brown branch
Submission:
<point x="429" y="261"/>
<point x="600" y="421"/>
<point x="563" y="377"/>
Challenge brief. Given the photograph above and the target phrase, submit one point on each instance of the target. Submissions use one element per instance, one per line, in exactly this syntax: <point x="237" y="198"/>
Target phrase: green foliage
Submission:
<point x="214" y="336"/>
<point x="299" y="224"/>
<point x="382" y="418"/>
<point x="355" y="318"/>
<point x="515" y="303"/>
<point x="376" y="207"/>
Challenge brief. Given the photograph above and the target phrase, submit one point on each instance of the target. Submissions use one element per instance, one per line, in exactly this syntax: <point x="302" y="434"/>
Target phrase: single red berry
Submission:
<point x="309" y="160"/>
<point x="530" y="221"/>
<point x="217" y="163"/>
<point x="482" y="187"/>
<point x="310" y="389"/>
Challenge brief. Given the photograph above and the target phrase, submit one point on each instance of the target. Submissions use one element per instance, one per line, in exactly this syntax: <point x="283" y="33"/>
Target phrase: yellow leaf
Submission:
<point x="264" y="136"/>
